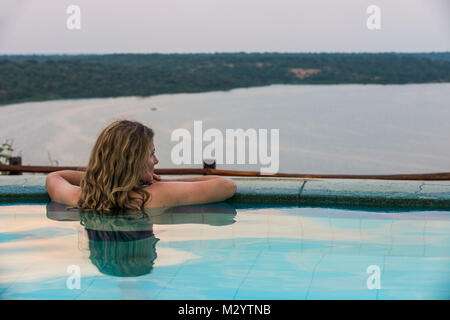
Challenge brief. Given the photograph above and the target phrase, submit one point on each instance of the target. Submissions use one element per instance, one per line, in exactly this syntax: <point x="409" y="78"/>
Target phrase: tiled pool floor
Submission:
<point x="219" y="252"/>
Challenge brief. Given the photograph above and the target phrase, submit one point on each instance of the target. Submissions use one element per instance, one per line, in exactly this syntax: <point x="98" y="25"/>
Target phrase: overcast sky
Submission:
<point x="110" y="26"/>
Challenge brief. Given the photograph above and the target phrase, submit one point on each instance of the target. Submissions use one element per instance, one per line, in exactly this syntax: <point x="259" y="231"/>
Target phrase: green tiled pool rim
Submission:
<point x="287" y="192"/>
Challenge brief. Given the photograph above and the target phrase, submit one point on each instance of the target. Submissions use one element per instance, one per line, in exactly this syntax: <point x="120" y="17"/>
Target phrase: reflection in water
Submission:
<point x="124" y="244"/>
<point x="121" y="245"/>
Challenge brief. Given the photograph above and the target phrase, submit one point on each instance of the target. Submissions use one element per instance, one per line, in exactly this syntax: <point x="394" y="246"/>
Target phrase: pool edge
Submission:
<point x="286" y="191"/>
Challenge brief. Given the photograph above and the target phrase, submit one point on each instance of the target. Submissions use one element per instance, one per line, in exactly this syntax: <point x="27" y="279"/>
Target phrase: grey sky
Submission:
<point x="107" y="26"/>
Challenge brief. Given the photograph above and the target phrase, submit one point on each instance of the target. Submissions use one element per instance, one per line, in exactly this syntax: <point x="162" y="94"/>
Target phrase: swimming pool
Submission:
<point x="222" y="251"/>
<point x="276" y="239"/>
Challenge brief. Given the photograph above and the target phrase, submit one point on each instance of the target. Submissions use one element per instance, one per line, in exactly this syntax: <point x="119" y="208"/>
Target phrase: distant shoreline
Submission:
<point x="28" y="78"/>
<point x="212" y="91"/>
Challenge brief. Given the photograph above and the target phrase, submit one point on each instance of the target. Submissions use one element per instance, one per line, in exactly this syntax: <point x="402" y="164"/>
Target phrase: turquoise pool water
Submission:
<point x="219" y="251"/>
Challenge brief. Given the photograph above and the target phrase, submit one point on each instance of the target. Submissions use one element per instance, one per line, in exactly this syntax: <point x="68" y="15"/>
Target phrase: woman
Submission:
<point x="120" y="175"/>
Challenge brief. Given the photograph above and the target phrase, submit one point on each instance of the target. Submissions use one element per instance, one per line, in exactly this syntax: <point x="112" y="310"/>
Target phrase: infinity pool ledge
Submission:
<point x="286" y="191"/>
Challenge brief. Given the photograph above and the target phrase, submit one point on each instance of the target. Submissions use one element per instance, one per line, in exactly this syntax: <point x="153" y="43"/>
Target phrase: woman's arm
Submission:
<point x="71" y="176"/>
<point x="189" y="179"/>
<point x="177" y="193"/>
<point x="63" y="186"/>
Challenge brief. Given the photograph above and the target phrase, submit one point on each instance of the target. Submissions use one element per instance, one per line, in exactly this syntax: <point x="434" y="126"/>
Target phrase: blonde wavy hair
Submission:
<point x="116" y="164"/>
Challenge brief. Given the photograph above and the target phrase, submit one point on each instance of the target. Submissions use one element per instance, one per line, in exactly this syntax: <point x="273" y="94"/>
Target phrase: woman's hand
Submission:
<point x="155" y="178"/>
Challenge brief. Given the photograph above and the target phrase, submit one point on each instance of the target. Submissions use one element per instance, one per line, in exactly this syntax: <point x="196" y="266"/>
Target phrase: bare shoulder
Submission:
<point x="159" y="195"/>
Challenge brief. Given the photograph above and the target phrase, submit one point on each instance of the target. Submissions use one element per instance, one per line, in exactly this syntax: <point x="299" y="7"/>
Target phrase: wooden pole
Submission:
<point x="209" y="171"/>
<point x="15" y="161"/>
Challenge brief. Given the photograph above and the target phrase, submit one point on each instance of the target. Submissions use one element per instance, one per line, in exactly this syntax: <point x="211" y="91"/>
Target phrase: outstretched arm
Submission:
<point x="178" y="193"/>
<point x="63" y="186"/>
<point x="186" y="179"/>
<point x="72" y="176"/>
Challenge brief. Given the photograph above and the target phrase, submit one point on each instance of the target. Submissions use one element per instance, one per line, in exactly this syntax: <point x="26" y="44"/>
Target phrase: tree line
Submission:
<point x="46" y="77"/>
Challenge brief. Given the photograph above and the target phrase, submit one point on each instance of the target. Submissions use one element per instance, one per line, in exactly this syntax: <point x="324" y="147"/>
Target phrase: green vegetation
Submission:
<point x="37" y="77"/>
<point x="431" y="55"/>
